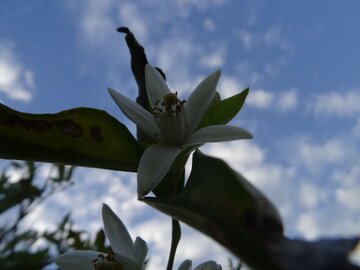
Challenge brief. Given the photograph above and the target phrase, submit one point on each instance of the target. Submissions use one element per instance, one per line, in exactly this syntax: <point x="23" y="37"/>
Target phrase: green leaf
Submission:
<point x="81" y="137"/>
<point x="223" y="111"/>
<point x="222" y="204"/>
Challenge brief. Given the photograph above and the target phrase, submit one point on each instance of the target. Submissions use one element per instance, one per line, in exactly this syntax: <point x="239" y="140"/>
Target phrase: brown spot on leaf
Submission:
<point x="35" y="125"/>
<point x="68" y="127"/>
<point x="95" y="133"/>
<point x="8" y="119"/>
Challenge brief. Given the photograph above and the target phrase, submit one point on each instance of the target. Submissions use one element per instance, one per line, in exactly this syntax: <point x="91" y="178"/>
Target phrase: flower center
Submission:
<point x="106" y="262"/>
<point x="170" y="105"/>
<point x="170" y="117"/>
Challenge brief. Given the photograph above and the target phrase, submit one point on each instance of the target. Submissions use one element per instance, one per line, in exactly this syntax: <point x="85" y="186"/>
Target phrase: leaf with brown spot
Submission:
<point x="81" y="137"/>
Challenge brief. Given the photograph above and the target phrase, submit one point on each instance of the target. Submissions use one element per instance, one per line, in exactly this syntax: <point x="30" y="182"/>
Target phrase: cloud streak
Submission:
<point x="16" y="81"/>
<point x="337" y="103"/>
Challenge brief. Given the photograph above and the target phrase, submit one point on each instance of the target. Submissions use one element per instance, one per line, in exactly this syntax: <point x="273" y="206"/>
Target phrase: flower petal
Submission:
<point x="154" y="164"/>
<point x="200" y="99"/>
<point x="156" y="86"/>
<point x="117" y="233"/>
<point x="208" y="265"/>
<point x="77" y="259"/>
<point x="185" y="265"/>
<point x="217" y="133"/>
<point x="136" y="113"/>
<point x="141" y="250"/>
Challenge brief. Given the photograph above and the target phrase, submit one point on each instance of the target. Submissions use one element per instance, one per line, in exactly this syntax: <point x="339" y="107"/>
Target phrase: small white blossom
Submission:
<point x="173" y="124"/>
<point x="126" y="254"/>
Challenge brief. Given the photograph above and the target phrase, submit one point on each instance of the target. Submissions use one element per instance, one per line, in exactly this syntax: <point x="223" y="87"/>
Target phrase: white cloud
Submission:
<point x="287" y="100"/>
<point x="275" y="68"/>
<point x="131" y="17"/>
<point x="252" y="15"/>
<point x="185" y="5"/>
<point x="356" y="129"/>
<point x="242" y="155"/>
<point x="215" y="59"/>
<point x="349" y="187"/>
<point x="349" y="197"/>
<point x="337" y="103"/>
<point x="331" y="221"/>
<point x="100" y="18"/>
<point x="229" y="86"/>
<point x="209" y="25"/>
<point x="174" y="52"/>
<point x="247" y="39"/>
<point x="16" y="82"/>
<point x="273" y="37"/>
<point x="309" y="195"/>
<point x="261" y="99"/>
<point x="100" y="186"/>
<point x="29" y="78"/>
<point x="315" y="156"/>
<point x="308" y="225"/>
<point x="204" y="249"/>
<point x="14" y="175"/>
<point x="156" y="231"/>
<point x="96" y="24"/>
<point x="248" y="73"/>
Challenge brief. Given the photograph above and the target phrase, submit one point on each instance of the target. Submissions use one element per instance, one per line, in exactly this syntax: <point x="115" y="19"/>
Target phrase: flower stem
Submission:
<point x="176" y="235"/>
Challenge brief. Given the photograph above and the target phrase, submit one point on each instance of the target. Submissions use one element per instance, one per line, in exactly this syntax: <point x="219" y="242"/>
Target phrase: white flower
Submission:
<point x="208" y="265"/>
<point x="126" y="254"/>
<point x="173" y="124"/>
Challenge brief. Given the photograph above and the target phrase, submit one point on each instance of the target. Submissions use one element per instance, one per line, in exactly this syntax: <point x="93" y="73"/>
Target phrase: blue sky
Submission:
<point x="299" y="58"/>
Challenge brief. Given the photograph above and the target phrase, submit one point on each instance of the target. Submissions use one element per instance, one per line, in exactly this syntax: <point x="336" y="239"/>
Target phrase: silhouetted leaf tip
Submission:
<point x="124" y="29"/>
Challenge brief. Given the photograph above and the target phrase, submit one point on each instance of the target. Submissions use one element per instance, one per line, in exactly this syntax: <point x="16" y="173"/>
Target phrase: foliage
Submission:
<point x="21" y="191"/>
